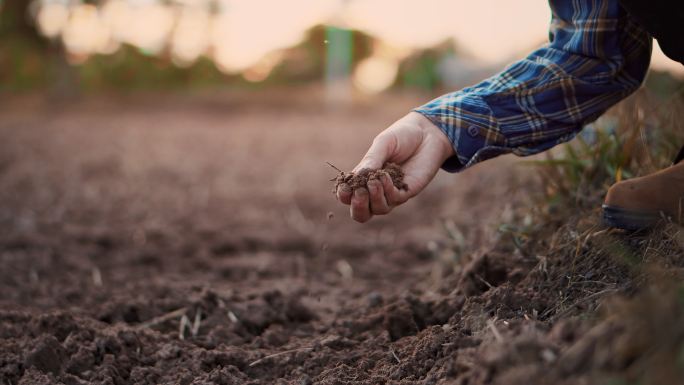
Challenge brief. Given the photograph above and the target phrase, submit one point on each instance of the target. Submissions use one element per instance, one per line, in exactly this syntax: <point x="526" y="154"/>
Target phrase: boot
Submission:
<point x="642" y="202"/>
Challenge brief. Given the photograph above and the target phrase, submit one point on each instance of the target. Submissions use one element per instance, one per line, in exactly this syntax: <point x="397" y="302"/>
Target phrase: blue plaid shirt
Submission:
<point x="596" y="56"/>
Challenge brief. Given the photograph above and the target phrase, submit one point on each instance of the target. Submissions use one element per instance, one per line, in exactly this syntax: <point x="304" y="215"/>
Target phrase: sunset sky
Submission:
<point x="244" y="33"/>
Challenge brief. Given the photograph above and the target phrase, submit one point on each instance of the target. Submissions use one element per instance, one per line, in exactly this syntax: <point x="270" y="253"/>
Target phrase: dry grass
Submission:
<point x="629" y="284"/>
<point x="637" y="137"/>
<point x="624" y="287"/>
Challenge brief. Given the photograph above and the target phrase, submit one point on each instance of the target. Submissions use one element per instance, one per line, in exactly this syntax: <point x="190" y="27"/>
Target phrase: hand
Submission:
<point x="412" y="142"/>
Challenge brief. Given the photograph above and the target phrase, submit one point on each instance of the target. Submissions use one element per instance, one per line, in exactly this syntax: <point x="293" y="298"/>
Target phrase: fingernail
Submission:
<point x="360" y="192"/>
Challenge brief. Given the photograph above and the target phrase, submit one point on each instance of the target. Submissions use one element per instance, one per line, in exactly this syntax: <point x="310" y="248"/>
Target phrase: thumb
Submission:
<point x="379" y="152"/>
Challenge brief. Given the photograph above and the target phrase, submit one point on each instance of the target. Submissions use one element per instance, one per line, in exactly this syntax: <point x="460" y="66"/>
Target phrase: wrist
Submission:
<point x="432" y="133"/>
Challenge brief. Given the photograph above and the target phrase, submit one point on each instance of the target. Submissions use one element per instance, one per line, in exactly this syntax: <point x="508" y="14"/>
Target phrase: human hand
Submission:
<point x="412" y="142"/>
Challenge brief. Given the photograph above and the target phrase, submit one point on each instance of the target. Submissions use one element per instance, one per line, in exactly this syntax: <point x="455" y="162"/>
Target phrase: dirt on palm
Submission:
<point x="354" y="180"/>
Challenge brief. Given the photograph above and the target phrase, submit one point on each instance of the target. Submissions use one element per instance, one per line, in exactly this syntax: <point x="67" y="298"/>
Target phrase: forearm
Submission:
<point x="589" y="65"/>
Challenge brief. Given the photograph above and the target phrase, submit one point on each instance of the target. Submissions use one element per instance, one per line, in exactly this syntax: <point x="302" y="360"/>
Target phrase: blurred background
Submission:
<point x="164" y="155"/>
<point x="354" y="47"/>
<point x="226" y="111"/>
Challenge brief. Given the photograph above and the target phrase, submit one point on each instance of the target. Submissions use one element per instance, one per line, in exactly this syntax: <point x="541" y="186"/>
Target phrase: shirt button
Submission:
<point x="473" y="131"/>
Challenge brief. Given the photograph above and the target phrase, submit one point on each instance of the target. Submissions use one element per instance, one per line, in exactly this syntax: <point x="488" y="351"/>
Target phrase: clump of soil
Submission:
<point x="360" y="178"/>
<point x="105" y="283"/>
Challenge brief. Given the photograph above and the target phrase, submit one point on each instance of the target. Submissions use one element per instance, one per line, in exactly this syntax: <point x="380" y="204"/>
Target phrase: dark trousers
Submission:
<point x="664" y="20"/>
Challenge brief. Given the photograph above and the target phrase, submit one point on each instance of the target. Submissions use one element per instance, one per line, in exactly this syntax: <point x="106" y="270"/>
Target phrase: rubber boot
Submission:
<point x="643" y="202"/>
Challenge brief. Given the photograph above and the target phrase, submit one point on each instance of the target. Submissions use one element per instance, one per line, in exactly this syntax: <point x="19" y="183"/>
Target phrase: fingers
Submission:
<point x="393" y="196"/>
<point x="378" y="198"/>
<point x="344" y="193"/>
<point x="360" y="205"/>
<point x="378" y="153"/>
<point x="378" y="203"/>
<point x="373" y="200"/>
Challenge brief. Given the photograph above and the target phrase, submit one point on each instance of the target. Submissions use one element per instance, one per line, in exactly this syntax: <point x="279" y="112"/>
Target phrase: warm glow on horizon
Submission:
<point x="240" y="35"/>
<point x="375" y="74"/>
<point x="190" y="37"/>
<point x="260" y="71"/>
<point x="84" y="33"/>
<point x="249" y="30"/>
<point x="52" y="18"/>
<point x="487" y="30"/>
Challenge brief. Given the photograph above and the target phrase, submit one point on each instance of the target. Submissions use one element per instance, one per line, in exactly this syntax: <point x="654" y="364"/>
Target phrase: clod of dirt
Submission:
<point x="360" y="178"/>
<point x="374" y="299"/>
<point x="399" y="321"/>
<point x="47" y="356"/>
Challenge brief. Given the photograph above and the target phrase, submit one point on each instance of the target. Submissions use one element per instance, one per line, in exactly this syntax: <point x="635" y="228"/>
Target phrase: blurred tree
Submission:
<point x="305" y="62"/>
<point x="420" y="70"/>
<point x="27" y="60"/>
<point x="14" y="20"/>
<point x="20" y="46"/>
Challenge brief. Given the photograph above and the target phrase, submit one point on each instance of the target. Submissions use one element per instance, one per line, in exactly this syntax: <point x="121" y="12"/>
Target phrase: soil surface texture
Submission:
<point x="193" y="241"/>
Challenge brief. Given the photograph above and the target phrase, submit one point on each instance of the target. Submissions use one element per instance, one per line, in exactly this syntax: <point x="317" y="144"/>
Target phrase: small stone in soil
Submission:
<point x="374" y="299"/>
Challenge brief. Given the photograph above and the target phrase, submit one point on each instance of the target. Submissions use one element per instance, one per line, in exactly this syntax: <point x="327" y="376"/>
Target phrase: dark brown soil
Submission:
<point x="146" y="245"/>
<point x="354" y="180"/>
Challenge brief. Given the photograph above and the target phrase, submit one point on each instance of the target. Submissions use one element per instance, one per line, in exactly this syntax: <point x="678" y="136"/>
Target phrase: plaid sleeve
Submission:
<point x="596" y="56"/>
